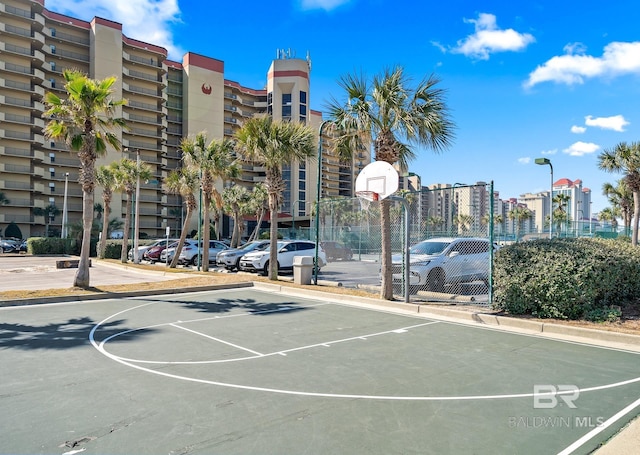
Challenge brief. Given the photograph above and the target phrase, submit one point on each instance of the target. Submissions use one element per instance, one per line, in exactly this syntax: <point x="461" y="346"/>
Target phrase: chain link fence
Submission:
<point x="448" y="236"/>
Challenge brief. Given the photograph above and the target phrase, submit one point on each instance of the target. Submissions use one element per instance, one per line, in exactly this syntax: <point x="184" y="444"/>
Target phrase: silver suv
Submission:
<point x="438" y="262"/>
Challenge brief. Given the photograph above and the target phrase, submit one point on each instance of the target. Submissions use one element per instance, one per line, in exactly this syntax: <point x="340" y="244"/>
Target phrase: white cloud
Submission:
<point x="581" y="148"/>
<point x="326" y="5"/>
<point x="615" y="123"/>
<point x="488" y="39"/>
<point x="145" y="20"/>
<point x="578" y="129"/>
<point x="525" y="160"/>
<point x="549" y="152"/>
<point x="575" y="66"/>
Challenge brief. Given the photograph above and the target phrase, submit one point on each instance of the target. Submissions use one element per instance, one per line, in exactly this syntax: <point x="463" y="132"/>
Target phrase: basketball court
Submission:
<point x="253" y="370"/>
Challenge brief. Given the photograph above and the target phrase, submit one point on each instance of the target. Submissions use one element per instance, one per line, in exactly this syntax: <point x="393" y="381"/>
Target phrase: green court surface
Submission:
<point x="249" y="371"/>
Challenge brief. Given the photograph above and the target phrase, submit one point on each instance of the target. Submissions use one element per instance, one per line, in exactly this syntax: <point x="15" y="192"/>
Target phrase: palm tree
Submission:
<point x="126" y="173"/>
<point x="85" y="120"/>
<point x="560" y="215"/>
<point x="621" y="198"/>
<point x="395" y="117"/>
<point x="214" y="161"/>
<point x="519" y="215"/>
<point x="184" y="182"/>
<point x="273" y="144"/>
<point x="106" y="179"/>
<point x="625" y="158"/>
<point x="610" y="214"/>
<point x="236" y="202"/>
<point x="463" y="222"/>
<point x="259" y="204"/>
<point x="49" y="212"/>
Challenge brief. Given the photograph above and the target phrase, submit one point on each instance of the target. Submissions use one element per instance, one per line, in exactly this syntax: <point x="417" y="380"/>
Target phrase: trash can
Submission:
<point x="302" y="269"/>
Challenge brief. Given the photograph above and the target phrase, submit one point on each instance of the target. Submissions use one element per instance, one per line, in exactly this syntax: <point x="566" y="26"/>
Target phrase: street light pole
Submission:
<point x="543" y="162"/>
<point x="64" y="207"/>
<point x="136" y="256"/>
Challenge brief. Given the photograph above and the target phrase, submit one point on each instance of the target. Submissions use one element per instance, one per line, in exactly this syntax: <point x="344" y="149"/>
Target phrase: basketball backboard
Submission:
<point x="378" y="177"/>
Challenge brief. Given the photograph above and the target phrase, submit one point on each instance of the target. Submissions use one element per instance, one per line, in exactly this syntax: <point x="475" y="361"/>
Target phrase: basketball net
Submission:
<point x="366" y="198"/>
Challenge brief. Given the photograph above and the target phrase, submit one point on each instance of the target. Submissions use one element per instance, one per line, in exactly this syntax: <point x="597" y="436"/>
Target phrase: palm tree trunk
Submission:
<point x="81" y="279"/>
<point x="273" y="231"/>
<point x="636" y="218"/>
<point x="105" y="230"/>
<point x="386" y="289"/>
<point x="183" y="236"/>
<point x="125" y="233"/>
<point x="206" y="234"/>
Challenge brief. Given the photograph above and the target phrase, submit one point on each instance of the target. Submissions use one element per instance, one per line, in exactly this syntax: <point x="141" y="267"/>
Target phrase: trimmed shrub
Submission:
<point x="566" y="278"/>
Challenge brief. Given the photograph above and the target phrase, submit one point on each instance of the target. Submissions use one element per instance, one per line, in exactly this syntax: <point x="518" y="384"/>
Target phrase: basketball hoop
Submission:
<point x="366" y="197"/>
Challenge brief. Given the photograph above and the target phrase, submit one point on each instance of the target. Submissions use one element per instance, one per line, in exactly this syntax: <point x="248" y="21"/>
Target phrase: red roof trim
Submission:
<point x="66" y="19"/>
<point x="107" y="23"/>
<point x="146" y="46"/>
<point x="289" y="73"/>
<point x="251" y="91"/>
<point x="172" y="64"/>
<point x="201" y="61"/>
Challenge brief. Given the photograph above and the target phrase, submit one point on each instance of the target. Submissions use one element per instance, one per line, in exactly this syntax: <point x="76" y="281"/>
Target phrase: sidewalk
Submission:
<point x="31" y="273"/>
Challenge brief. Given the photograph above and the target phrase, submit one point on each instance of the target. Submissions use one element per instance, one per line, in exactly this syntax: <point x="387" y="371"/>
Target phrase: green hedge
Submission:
<point x="567" y="278"/>
<point x="54" y="245"/>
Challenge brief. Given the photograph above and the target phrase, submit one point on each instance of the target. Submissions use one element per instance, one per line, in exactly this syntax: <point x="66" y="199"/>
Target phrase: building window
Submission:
<point x="286" y="99"/>
<point x="286" y="113"/>
<point x="53" y="83"/>
<point x="52" y="172"/>
<point x="53" y="31"/>
<point x="303" y="97"/>
<point x="52" y="187"/>
<point x="52" y="65"/>
<point x="52" y="157"/>
<point x="53" y="49"/>
<point x="302" y="185"/>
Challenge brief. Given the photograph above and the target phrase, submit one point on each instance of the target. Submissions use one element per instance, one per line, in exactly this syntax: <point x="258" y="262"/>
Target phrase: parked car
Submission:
<point x="437" y="262"/>
<point x="189" y="252"/>
<point x="143" y="248"/>
<point x="230" y="258"/>
<point x="9" y="246"/>
<point x="153" y="254"/>
<point x="337" y="250"/>
<point x="258" y="261"/>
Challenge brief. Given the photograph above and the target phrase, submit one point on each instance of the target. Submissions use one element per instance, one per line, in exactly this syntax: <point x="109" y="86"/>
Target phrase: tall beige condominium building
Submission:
<point x="166" y="101"/>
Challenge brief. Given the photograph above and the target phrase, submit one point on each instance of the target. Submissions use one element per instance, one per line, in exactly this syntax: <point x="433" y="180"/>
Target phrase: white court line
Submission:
<point x="284" y="352"/>
<point x="600" y="428"/>
<point x="237" y="346"/>
<point x="100" y="348"/>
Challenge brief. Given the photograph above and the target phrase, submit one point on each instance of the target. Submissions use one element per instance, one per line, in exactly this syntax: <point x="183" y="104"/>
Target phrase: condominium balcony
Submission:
<point x="67" y="54"/>
<point x="62" y="36"/>
<point x="36" y="74"/>
<point x="15" y="151"/>
<point x="8" y="218"/>
<point x="142" y="90"/>
<point x="152" y="120"/>
<point x="23" y="14"/>
<point x="149" y="77"/>
<point x="146" y="106"/>
<point x="21" y="135"/>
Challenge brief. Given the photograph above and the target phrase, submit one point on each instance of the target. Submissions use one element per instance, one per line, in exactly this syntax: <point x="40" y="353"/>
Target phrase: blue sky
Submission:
<point x="554" y="79"/>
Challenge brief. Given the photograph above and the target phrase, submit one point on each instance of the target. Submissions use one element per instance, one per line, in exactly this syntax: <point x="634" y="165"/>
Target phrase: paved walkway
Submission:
<point x="30" y="273"/>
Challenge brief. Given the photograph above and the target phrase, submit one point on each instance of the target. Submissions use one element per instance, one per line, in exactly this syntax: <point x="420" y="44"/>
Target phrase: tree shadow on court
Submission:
<point x="252" y="306"/>
<point x="62" y="335"/>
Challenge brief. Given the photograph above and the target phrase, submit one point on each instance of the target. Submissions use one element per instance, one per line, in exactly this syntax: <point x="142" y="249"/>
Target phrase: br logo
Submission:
<point x="545" y="396"/>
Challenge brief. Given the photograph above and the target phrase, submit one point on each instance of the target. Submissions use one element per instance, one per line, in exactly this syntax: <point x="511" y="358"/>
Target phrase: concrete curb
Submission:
<point x="120" y="295"/>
